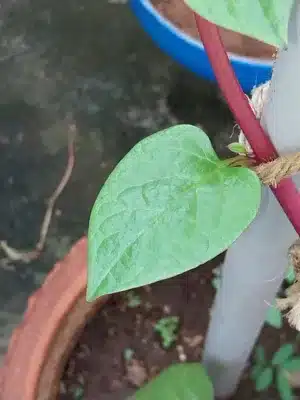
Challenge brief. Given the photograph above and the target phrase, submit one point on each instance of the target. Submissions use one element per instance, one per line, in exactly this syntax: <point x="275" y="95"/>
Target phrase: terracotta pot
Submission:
<point x="41" y="344"/>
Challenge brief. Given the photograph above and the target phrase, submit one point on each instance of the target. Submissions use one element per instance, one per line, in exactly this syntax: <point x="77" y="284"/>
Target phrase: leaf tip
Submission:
<point x="90" y="296"/>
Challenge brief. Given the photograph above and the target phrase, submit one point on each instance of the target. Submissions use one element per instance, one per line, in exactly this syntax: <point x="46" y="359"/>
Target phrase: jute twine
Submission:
<point x="271" y="173"/>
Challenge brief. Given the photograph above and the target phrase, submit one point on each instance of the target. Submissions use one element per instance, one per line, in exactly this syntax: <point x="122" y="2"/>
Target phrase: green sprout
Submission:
<point x="237" y="148"/>
<point x="216" y="280"/>
<point x="290" y="275"/>
<point x="264" y="373"/>
<point x="128" y="354"/>
<point x="78" y="393"/>
<point x="274" y="317"/>
<point x="133" y="299"/>
<point x="167" y="328"/>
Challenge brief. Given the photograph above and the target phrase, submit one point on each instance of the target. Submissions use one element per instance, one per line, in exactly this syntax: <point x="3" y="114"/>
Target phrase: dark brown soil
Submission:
<point x="124" y="329"/>
<point x="177" y="12"/>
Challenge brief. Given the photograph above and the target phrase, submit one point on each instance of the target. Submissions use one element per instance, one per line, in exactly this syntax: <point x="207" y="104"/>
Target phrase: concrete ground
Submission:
<point x="90" y="60"/>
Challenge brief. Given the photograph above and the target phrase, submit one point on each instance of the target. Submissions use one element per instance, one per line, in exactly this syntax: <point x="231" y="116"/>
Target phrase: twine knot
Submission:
<point x="270" y="172"/>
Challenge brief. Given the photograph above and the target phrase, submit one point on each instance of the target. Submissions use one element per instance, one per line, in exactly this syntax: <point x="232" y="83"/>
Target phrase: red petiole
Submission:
<point x="263" y="149"/>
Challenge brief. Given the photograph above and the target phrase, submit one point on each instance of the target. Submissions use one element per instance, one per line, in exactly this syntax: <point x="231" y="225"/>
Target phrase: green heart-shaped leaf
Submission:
<point x="168" y="206"/>
<point x="265" y="20"/>
<point x="178" y="382"/>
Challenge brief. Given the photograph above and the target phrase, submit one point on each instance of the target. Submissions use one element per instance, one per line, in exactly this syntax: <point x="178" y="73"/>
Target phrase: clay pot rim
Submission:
<point x="197" y="43"/>
<point x="31" y="341"/>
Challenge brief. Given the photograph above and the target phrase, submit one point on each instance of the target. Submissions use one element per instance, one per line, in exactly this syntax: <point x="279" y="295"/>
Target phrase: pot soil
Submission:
<point x="120" y="350"/>
<point x="179" y="14"/>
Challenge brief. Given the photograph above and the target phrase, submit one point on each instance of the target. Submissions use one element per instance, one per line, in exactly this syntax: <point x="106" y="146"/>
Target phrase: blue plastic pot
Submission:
<point x="190" y="53"/>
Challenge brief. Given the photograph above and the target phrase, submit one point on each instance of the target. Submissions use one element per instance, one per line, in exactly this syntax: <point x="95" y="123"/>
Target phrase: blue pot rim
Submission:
<point x="197" y="43"/>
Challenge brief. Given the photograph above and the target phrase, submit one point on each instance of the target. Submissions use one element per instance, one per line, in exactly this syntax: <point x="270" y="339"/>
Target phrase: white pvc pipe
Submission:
<point x="255" y="264"/>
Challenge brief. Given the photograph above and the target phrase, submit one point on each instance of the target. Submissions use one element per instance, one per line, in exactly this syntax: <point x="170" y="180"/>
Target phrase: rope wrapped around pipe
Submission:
<point x="271" y="173"/>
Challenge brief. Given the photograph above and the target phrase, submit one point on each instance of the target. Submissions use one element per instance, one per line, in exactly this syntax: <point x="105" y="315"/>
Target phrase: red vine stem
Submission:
<point x="263" y="149"/>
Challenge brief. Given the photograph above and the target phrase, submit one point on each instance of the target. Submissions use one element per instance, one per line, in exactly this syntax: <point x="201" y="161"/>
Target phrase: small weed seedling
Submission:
<point x="128" y="354"/>
<point x="276" y="371"/>
<point x="274" y="317"/>
<point x="133" y="299"/>
<point x="78" y="393"/>
<point x="167" y="328"/>
<point x="216" y="280"/>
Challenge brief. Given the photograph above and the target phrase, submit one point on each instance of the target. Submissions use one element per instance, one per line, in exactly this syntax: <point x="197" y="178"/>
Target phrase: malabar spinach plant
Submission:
<point x="171" y="204"/>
